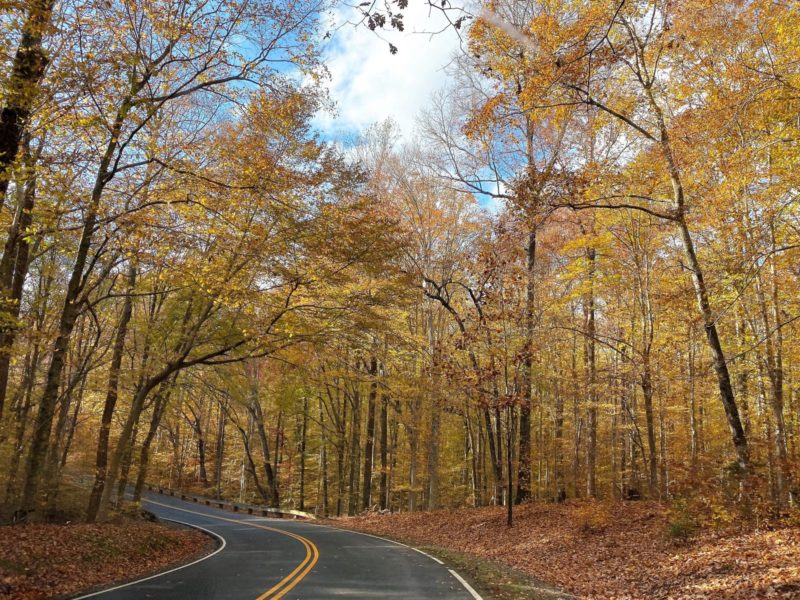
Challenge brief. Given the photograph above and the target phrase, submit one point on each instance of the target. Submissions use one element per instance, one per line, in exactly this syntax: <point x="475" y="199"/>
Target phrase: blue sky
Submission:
<point x="369" y="84"/>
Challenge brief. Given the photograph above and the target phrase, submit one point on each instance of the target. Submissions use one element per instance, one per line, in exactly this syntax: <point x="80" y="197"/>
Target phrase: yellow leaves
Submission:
<point x="485" y="116"/>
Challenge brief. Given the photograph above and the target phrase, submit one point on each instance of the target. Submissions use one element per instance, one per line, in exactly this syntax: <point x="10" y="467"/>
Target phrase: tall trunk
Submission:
<point x="524" y="467"/>
<point x="413" y="443"/>
<point x="126" y="437"/>
<point x="577" y="422"/>
<point x="494" y="456"/>
<point x="778" y="376"/>
<point x="727" y="397"/>
<point x="384" y="434"/>
<point x="126" y="462"/>
<point x="112" y="390"/>
<point x="647" y="396"/>
<point x="219" y="451"/>
<point x="201" y="452"/>
<point x="662" y="435"/>
<point x="269" y="469"/>
<point x="433" y="458"/>
<point x="23" y="85"/>
<point x="21" y="417"/>
<point x="558" y="460"/>
<point x="394" y="432"/>
<point x="355" y="450"/>
<point x="72" y="426"/>
<point x="693" y="425"/>
<point x="303" y="435"/>
<point x="322" y="506"/>
<point x="509" y="466"/>
<point x="591" y="376"/>
<point x="471" y="458"/>
<point x="340" y="453"/>
<point x="369" y="444"/>
<point x="718" y="355"/>
<point x="159" y="408"/>
<point x="13" y="271"/>
<point x="69" y="313"/>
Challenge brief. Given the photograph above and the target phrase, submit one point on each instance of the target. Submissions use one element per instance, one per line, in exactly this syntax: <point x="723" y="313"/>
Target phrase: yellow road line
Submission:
<point x="285" y="585"/>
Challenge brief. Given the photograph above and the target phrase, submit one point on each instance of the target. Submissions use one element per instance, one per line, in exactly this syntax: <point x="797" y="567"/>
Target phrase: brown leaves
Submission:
<point x="46" y="561"/>
<point x="606" y="551"/>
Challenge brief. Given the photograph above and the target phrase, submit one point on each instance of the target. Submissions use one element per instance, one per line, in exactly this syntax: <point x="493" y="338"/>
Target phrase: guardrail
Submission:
<point x="237" y="507"/>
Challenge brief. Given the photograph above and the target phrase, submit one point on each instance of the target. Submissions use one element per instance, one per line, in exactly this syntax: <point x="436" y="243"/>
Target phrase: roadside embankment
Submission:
<point x="633" y="550"/>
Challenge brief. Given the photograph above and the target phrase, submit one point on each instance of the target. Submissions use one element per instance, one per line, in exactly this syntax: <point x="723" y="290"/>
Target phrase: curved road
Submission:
<point x="270" y="559"/>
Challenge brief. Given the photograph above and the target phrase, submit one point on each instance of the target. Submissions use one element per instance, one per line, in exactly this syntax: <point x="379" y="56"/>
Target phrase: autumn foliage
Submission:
<point x="578" y="279"/>
<point x="604" y="550"/>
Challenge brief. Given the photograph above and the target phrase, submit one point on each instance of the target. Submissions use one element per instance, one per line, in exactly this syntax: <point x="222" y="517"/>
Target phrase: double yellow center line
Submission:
<point x="285" y="585"/>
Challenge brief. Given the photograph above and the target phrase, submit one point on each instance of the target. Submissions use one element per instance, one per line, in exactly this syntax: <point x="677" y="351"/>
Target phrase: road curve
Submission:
<point x="273" y="559"/>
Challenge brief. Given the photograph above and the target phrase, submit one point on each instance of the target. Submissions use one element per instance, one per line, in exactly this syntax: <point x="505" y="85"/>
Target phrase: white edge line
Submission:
<point x="460" y="579"/>
<point x="377" y="537"/>
<point x="428" y="555"/>
<point x="468" y="587"/>
<point x="201" y="559"/>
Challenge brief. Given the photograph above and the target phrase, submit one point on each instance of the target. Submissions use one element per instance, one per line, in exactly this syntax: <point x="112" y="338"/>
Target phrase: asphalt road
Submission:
<point x="269" y="559"/>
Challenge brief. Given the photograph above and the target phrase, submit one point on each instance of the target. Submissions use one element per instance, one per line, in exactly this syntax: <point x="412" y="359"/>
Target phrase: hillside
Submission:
<point x="607" y="551"/>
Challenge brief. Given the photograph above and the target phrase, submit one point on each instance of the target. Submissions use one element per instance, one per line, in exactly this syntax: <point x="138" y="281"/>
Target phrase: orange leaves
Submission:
<point x="483" y="117"/>
<point x="47" y="561"/>
<point x="610" y="551"/>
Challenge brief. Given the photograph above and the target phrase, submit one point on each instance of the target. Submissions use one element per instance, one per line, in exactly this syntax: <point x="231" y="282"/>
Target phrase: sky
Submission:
<point x="369" y="84"/>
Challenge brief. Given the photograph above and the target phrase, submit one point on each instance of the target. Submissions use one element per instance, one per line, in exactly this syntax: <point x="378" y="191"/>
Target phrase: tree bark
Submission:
<point x="159" y="408"/>
<point x="23" y="85"/>
<point x="701" y="293"/>
<point x="355" y="449"/>
<point x="69" y="314"/>
<point x="112" y="390"/>
<point x="524" y="467"/>
<point x="591" y="377"/>
<point x="369" y="444"/>
<point x="384" y="433"/>
<point x="13" y="271"/>
<point x="303" y="436"/>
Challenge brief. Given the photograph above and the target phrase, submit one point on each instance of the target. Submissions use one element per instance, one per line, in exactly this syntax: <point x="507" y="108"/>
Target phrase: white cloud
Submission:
<point x="369" y="84"/>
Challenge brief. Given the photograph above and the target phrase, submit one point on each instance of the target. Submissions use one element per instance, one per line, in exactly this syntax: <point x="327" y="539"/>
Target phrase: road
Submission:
<point x="270" y="559"/>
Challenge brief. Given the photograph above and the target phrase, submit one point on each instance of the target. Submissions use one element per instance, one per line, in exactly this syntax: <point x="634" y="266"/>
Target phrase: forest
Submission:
<point x="577" y="278"/>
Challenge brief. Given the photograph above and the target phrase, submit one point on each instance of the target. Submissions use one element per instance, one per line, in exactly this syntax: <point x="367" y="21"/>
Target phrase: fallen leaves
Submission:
<point x="47" y="561"/>
<point x="610" y="551"/>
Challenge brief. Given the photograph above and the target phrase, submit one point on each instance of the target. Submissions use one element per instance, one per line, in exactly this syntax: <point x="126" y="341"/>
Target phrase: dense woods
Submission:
<point x="578" y="278"/>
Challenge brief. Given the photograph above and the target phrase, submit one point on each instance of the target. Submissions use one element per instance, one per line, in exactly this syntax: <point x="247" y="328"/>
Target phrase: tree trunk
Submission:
<point x="701" y="293"/>
<point x="652" y="456"/>
<point x="125" y="442"/>
<point x="384" y="433"/>
<point x="322" y="506"/>
<point x="269" y="470"/>
<point x="219" y="451"/>
<point x="159" y="408"/>
<point x="369" y="445"/>
<point x="69" y="314"/>
<point x="124" y="468"/>
<point x="591" y="377"/>
<point x="112" y="389"/>
<point x="22" y="86"/>
<point x="524" y="467"/>
<point x="13" y="271"/>
<point x="433" y="459"/>
<point x="340" y="454"/>
<point x="355" y="450"/>
<point x="303" y="434"/>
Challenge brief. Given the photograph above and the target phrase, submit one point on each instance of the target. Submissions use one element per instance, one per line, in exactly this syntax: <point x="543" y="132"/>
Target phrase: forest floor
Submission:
<point x="623" y="550"/>
<point x="40" y="561"/>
